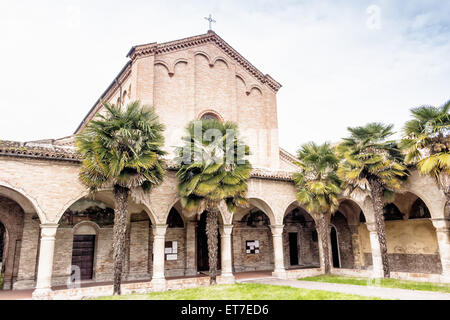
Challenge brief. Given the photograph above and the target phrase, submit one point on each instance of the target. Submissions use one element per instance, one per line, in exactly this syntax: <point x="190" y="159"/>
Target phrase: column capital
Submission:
<point x="372" y="227"/>
<point x="159" y="229"/>
<point x="226" y="229"/>
<point x="442" y="224"/>
<point x="277" y="229"/>
<point x="48" y="230"/>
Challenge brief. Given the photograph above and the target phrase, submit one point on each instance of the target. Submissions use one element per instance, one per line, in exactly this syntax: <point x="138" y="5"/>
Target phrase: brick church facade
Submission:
<point x="48" y="223"/>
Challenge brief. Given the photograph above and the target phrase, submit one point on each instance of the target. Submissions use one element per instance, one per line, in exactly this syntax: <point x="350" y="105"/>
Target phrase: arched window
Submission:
<point x="209" y="116"/>
<point x="174" y="219"/>
<point x="419" y="210"/>
<point x="391" y="212"/>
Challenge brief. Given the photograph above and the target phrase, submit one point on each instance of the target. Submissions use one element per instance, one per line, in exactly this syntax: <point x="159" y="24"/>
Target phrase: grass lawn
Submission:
<point x="241" y="291"/>
<point x="388" y="283"/>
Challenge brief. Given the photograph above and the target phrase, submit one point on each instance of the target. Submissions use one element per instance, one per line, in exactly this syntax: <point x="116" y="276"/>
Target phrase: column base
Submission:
<point x="445" y="278"/>
<point x="42" y="294"/>
<point x="227" y="278"/>
<point x="158" y="284"/>
<point x="280" y="274"/>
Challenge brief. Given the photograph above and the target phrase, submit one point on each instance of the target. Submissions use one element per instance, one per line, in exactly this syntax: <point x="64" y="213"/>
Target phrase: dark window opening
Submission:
<point x="419" y="210"/>
<point x="293" y="248"/>
<point x="335" y="248"/>
<point x="174" y="219"/>
<point x="391" y="212"/>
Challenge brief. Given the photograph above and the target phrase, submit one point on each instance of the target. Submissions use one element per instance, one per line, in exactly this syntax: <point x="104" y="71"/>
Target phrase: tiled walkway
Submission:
<point x="384" y="293"/>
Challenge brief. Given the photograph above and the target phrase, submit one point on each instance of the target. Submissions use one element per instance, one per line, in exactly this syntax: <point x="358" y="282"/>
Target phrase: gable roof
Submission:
<point x="210" y="37"/>
<point x="182" y="44"/>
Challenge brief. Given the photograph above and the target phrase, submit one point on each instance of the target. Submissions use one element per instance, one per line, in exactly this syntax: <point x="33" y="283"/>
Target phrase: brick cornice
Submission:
<point x="210" y="37"/>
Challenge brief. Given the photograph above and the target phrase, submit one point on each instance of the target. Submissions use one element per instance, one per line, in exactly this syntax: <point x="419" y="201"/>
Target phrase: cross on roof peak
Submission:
<point x="210" y="20"/>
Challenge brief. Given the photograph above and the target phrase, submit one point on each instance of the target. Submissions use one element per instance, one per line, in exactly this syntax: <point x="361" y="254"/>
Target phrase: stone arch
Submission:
<point x="169" y="69"/>
<point x="220" y="58"/>
<point x="204" y="54"/>
<point x="242" y="78"/>
<point x="177" y="61"/>
<point x="210" y="112"/>
<point x="26" y="201"/>
<point x="264" y="207"/>
<point x="191" y="215"/>
<point x="86" y="228"/>
<point x="256" y="88"/>
<point x="426" y="188"/>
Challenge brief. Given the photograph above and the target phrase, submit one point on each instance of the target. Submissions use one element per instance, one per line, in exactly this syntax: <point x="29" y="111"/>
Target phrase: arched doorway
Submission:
<point x="84" y="241"/>
<point x="202" y="246"/>
<point x="300" y="240"/>
<point x="335" y="247"/>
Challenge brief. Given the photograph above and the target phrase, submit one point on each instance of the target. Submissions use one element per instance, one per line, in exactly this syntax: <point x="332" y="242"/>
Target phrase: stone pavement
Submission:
<point x="384" y="293"/>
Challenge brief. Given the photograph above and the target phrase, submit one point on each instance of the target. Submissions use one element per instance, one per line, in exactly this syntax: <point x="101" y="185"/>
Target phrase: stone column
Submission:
<point x="277" y="232"/>
<point x="443" y="237"/>
<point x="376" y="251"/>
<point x="356" y="246"/>
<point x="190" y="267"/>
<point x="45" y="264"/>
<point x="226" y="253"/>
<point x="159" y="236"/>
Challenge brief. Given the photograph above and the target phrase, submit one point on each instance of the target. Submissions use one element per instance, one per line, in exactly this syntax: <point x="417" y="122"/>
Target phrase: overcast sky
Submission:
<point x="341" y="63"/>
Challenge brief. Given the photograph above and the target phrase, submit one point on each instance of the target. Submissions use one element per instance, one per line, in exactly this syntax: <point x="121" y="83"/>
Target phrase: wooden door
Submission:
<point x="83" y="255"/>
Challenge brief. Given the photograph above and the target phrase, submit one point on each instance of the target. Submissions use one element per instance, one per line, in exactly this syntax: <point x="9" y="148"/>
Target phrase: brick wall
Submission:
<point x="251" y="262"/>
<point x="12" y="218"/>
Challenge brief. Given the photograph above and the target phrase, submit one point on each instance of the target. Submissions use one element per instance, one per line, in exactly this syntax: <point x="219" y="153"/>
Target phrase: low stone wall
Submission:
<point x="131" y="288"/>
<point x="367" y="273"/>
<point x="303" y="273"/>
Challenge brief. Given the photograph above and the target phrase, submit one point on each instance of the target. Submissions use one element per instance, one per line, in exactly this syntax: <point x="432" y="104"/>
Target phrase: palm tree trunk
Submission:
<point x="119" y="233"/>
<point x="378" y="204"/>
<point x="211" y="233"/>
<point x="322" y="229"/>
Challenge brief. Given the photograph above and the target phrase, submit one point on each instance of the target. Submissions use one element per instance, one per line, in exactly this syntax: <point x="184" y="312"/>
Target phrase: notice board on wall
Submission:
<point x="252" y="246"/>
<point x="171" y="250"/>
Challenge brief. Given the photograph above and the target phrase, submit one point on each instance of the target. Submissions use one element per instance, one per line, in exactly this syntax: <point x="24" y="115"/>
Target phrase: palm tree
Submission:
<point x="318" y="188"/>
<point x="212" y="171"/>
<point x="427" y="143"/>
<point x="372" y="166"/>
<point x="122" y="149"/>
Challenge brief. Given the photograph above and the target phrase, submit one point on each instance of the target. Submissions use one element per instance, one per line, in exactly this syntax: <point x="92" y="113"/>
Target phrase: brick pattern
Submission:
<point x="243" y="261"/>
